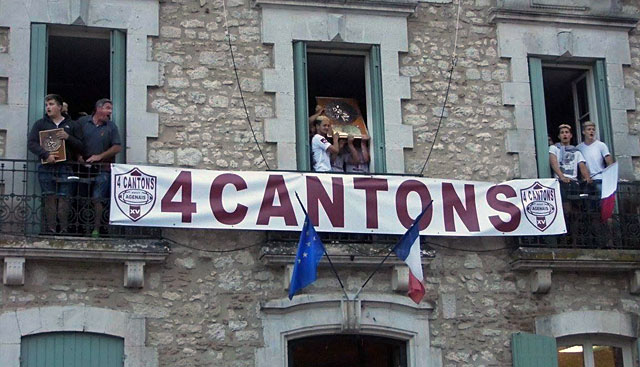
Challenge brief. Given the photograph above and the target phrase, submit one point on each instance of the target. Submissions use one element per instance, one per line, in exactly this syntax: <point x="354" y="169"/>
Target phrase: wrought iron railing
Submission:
<point x="585" y="228"/>
<point x="58" y="200"/>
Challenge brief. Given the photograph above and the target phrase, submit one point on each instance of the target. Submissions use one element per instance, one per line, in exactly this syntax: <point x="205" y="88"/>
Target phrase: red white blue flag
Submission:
<point x="408" y="250"/>
<point x="608" y="194"/>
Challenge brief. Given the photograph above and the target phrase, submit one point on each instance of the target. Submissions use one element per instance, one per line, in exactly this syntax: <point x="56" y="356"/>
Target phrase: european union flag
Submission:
<point x="310" y="251"/>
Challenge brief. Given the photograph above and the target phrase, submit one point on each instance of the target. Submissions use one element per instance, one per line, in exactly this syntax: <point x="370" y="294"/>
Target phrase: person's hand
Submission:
<point x="565" y="179"/>
<point x="94" y="158"/>
<point x="350" y="139"/>
<point x="51" y="158"/>
<point x="319" y="109"/>
<point x="365" y="137"/>
<point x="80" y="159"/>
<point x="589" y="180"/>
<point x="62" y="135"/>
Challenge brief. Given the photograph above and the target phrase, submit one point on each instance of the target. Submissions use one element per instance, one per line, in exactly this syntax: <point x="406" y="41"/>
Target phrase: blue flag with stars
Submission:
<point x="310" y="251"/>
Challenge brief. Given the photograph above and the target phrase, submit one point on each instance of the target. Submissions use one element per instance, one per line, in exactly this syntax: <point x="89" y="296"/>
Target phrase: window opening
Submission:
<point x="347" y="350"/>
<point x="594" y="351"/>
<point x="79" y="68"/>
<point x="566" y="99"/>
<point x="336" y="75"/>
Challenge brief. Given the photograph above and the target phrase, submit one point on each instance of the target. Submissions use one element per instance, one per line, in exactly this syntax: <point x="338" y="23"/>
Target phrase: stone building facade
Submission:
<point x="214" y="298"/>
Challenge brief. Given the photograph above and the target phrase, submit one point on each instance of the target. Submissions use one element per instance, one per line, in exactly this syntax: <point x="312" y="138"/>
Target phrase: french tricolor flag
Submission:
<point x="608" y="194"/>
<point x="408" y="250"/>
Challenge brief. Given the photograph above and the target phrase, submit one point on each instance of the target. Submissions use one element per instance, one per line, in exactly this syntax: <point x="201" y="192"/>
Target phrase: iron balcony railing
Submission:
<point x="585" y="229"/>
<point x="64" y="205"/>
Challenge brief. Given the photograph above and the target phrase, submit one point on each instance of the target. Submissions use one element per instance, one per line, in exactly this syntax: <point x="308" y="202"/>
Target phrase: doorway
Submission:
<point x="347" y="350"/>
<point x="79" y="68"/>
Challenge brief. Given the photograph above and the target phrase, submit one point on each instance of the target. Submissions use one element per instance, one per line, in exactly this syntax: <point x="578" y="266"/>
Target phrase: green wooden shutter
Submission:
<point x="530" y="350"/>
<point x="602" y="103"/>
<point x="37" y="91"/>
<point x="539" y="117"/>
<point x="119" y="85"/>
<point x="303" y="151"/>
<point x="377" y="110"/>
<point x="71" y="349"/>
<point x="37" y="72"/>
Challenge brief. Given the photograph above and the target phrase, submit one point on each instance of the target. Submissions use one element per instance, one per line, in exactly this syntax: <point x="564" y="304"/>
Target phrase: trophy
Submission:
<point x="344" y="115"/>
<point x="53" y="144"/>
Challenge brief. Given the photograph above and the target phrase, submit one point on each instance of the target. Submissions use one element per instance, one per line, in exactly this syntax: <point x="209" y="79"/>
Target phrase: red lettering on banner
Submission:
<point x="215" y="199"/>
<point x="467" y="213"/>
<point x="316" y="194"/>
<point x="276" y="184"/>
<point x="371" y="186"/>
<point x="505" y="207"/>
<point x="185" y="206"/>
<point x="402" y="210"/>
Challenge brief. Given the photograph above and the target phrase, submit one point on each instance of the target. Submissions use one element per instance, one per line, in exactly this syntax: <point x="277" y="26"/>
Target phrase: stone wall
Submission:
<point x="202" y="308"/>
<point x="200" y="106"/>
<point x="202" y="119"/>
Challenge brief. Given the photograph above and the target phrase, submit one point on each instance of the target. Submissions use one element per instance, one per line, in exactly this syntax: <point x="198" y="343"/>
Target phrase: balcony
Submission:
<point x="24" y="210"/>
<point x="586" y="230"/>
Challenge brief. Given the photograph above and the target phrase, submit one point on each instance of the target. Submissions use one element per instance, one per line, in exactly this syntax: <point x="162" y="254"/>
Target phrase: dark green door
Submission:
<point x="71" y="349"/>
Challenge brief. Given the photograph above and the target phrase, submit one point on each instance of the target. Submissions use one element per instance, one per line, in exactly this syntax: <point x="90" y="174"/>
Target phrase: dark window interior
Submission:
<point x="79" y="70"/>
<point x="558" y="98"/>
<point x="340" y="76"/>
<point x="347" y="351"/>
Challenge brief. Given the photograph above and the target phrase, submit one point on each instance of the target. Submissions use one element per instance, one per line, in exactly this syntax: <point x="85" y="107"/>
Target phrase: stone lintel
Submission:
<point x="13" y="271"/>
<point x="561" y="18"/>
<point x="406" y="7"/>
<point x="558" y="259"/>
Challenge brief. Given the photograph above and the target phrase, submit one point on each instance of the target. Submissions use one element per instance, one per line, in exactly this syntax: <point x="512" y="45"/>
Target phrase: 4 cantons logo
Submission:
<point x="540" y="205"/>
<point x="135" y="193"/>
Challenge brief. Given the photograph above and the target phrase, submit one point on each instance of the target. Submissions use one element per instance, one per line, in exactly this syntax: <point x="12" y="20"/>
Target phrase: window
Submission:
<point x="82" y="64"/>
<point x="578" y="339"/>
<point x="71" y="349"/>
<point x="345" y="73"/>
<point x="570" y="93"/>
<point x="594" y="351"/>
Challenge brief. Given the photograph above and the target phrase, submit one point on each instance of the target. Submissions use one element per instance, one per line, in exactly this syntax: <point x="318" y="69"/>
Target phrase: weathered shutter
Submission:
<point x="303" y="151"/>
<point x="119" y="86"/>
<point x="377" y="111"/>
<point x="530" y="350"/>
<point x="71" y="349"/>
<point x="539" y="117"/>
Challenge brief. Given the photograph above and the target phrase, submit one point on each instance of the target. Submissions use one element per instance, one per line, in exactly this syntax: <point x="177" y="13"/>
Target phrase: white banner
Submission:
<point x="190" y="198"/>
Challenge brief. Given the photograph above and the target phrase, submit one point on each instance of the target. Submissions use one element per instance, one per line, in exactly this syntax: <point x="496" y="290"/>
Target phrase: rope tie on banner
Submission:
<point x="454" y="62"/>
<point x="235" y="70"/>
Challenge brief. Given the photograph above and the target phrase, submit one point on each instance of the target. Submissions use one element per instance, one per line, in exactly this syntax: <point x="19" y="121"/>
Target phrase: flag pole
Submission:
<point x="386" y="257"/>
<point x="325" y="251"/>
<point x="374" y="272"/>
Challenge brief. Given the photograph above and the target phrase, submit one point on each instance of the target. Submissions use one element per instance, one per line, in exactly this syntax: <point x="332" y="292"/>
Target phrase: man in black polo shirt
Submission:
<point x="101" y="144"/>
<point x="54" y="176"/>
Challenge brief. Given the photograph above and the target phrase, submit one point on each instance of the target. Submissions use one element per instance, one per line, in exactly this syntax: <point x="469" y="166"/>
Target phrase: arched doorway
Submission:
<point x="353" y="350"/>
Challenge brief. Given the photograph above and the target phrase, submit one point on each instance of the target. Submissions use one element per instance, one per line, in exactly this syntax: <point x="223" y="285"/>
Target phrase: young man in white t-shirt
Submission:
<point x="595" y="152"/>
<point x="565" y="159"/>
<point x="321" y="149"/>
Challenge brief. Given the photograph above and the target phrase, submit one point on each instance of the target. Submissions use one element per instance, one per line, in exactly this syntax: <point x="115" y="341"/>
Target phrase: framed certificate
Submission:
<point x="53" y="144"/>
<point x="345" y="116"/>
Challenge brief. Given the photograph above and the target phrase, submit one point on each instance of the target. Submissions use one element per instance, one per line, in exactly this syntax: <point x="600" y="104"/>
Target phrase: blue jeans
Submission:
<point x="54" y="179"/>
<point x="101" y="185"/>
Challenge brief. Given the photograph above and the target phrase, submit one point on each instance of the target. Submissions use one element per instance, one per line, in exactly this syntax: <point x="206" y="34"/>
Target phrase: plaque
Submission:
<point x="53" y="144"/>
<point x="344" y="115"/>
